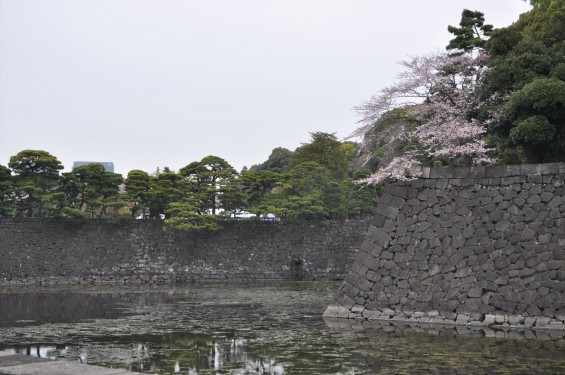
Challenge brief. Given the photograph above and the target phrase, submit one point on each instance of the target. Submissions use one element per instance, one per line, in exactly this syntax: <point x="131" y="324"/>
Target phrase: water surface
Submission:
<point x="273" y="328"/>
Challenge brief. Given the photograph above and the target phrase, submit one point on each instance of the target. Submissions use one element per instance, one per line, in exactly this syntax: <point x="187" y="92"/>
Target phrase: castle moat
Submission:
<point x="260" y="328"/>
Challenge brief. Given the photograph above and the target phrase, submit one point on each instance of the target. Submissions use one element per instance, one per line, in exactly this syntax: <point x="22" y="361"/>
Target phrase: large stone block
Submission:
<point x="378" y="236"/>
<point x="377" y="220"/>
<point x="336" y="311"/>
<point x="345" y="301"/>
<point x="397" y="202"/>
<point x="395" y="190"/>
<point x="550" y="168"/>
<point x="496" y="172"/>
<point x="387" y="211"/>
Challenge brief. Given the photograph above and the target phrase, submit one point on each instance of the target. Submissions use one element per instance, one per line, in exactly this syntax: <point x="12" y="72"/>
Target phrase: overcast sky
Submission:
<point x="153" y="83"/>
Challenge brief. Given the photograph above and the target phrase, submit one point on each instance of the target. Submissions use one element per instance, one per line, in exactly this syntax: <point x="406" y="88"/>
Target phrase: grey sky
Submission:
<point x="147" y="83"/>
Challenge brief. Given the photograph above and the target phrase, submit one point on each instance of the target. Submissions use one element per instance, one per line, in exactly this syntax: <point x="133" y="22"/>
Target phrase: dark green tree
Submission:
<point x="184" y="215"/>
<point x="326" y="150"/>
<point x="277" y="162"/>
<point x="256" y="186"/>
<point x="525" y="85"/>
<point x="164" y="189"/>
<point x="308" y="193"/>
<point x="36" y="176"/>
<point x="6" y="192"/>
<point x="349" y="204"/>
<point x="366" y="195"/>
<point x="92" y="189"/>
<point x="545" y="22"/>
<point x="233" y="198"/>
<point x="358" y="200"/>
<point x="207" y="181"/>
<point x="537" y="112"/>
<point x="472" y="32"/>
<point x="137" y="189"/>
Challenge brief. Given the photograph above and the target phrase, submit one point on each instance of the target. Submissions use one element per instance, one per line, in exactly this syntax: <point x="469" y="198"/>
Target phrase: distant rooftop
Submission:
<point x="108" y="165"/>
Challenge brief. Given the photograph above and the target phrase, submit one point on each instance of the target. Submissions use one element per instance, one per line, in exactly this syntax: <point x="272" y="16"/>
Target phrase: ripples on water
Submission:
<point x="250" y="329"/>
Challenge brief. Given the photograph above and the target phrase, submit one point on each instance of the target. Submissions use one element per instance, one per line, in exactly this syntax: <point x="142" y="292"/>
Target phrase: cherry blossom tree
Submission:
<point x="437" y="91"/>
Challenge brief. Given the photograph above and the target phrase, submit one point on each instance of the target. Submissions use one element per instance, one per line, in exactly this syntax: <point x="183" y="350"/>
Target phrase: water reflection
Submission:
<point x="402" y="348"/>
<point x="39" y="351"/>
<point x="250" y="329"/>
<point x="69" y="306"/>
<point x="187" y="355"/>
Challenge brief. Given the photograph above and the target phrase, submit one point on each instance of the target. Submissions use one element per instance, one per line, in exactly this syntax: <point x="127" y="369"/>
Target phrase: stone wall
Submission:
<point x="480" y="246"/>
<point x="52" y="252"/>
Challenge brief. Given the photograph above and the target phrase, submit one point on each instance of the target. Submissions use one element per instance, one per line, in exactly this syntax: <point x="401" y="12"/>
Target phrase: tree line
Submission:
<point x="314" y="182"/>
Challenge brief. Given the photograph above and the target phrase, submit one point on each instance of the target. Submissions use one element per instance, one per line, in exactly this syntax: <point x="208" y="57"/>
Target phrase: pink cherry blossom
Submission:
<point x="437" y="90"/>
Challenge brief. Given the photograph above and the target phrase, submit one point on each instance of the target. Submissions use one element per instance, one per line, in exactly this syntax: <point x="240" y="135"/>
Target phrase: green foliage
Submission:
<point x="207" y="181"/>
<point x="545" y="22"/>
<point x="366" y="195"/>
<point x="331" y="199"/>
<point x="526" y="82"/>
<point x="559" y="71"/>
<point x="546" y="95"/>
<point x="502" y="41"/>
<point x="36" y="175"/>
<point x="164" y="189"/>
<point x="348" y="202"/>
<point x="472" y="32"/>
<point x="527" y="61"/>
<point x="74" y="213"/>
<point x="137" y="186"/>
<point x="233" y="198"/>
<point x="92" y="189"/>
<point x="37" y="164"/>
<point x="199" y="197"/>
<point x="358" y="200"/>
<point x="306" y="194"/>
<point x="536" y="114"/>
<point x="277" y="162"/>
<point x="316" y="187"/>
<point x="327" y="151"/>
<point x="256" y="186"/>
<point x="184" y="216"/>
<point x="533" y="130"/>
<point x="6" y="188"/>
<point x="53" y="204"/>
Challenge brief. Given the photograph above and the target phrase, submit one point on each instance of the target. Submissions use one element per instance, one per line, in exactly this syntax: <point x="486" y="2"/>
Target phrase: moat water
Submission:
<point x="272" y="328"/>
